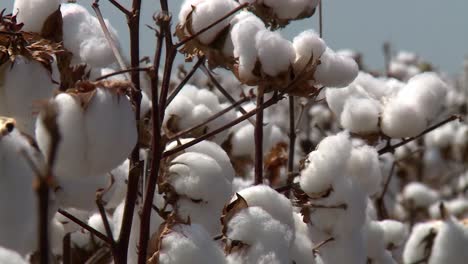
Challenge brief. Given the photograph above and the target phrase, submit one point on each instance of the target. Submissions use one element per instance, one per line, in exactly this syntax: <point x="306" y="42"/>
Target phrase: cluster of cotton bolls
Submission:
<point x="259" y="54"/>
<point x="370" y="105"/>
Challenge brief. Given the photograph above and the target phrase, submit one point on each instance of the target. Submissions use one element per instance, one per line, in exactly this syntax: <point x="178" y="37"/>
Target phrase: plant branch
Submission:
<point x="292" y="143"/>
<point x="179" y="87"/>
<point x="121" y="72"/>
<point x="258" y="137"/>
<point x="391" y="148"/>
<point x="105" y="220"/>
<point x="85" y="226"/>
<point x="124" y="10"/>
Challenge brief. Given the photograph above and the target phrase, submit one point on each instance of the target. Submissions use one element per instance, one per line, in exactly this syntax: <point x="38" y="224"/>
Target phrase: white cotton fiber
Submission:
<point x="307" y="45"/>
<point x="364" y="167"/>
<point x="8" y="256"/>
<point x="326" y="163"/>
<point x="335" y="70"/>
<point x="290" y="9"/>
<point x="206" y="13"/>
<point x="450" y="243"/>
<point x="189" y="244"/>
<point x="33" y="13"/>
<point x="419" y="194"/>
<point x="401" y="119"/>
<point x="110" y="128"/>
<point x="361" y="115"/>
<point x="427" y="91"/>
<point x="275" y="53"/>
<point x="276" y="204"/>
<point x="243" y="40"/>
<point x="395" y="233"/>
<point x="419" y="239"/>
<point x="83" y="36"/>
<point x="20" y="97"/>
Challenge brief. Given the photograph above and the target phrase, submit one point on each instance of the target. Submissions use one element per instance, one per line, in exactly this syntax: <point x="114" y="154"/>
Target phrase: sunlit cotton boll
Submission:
<point x="401" y="119"/>
<point x="25" y="83"/>
<point x="18" y="202"/>
<point x="265" y="235"/>
<point x="275" y="53"/>
<point x="361" y="115"/>
<point x="84" y="37"/>
<point x="450" y="243"/>
<point x="335" y="70"/>
<point x="208" y="12"/>
<point x="364" y="168"/>
<point x="244" y="43"/>
<point x="308" y="45"/>
<point x="420" y="195"/>
<point x="8" y="256"/>
<point x="420" y="241"/>
<point x="89" y="135"/>
<point x="189" y="244"/>
<point x="33" y="13"/>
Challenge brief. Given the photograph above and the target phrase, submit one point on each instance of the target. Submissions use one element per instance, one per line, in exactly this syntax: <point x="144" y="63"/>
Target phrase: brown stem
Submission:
<point x="121" y="72"/>
<point x="77" y="221"/>
<point x="259" y="139"/>
<point x="179" y="87"/>
<point x="187" y="39"/>
<point x="43" y="225"/>
<point x="320" y="19"/>
<point x="66" y="248"/>
<point x="391" y="148"/>
<point x="380" y="202"/>
<point x="292" y="142"/>
<point x="121" y="8"/>
<point x="316" y="248"/>
<point x="105" y="220"/>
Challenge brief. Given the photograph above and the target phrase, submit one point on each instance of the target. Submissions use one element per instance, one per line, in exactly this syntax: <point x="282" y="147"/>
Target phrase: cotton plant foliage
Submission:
<point x="378" y="173"/>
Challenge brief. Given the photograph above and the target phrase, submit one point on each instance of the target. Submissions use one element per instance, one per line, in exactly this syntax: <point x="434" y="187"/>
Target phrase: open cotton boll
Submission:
<point x="255" y="227"/>
<point x="457" y="207"/>
<point x="450" y="243"/>
<point x="275" y="53"/>
<point x="407" y="57"/>
<point x="80" y="193"/>
<point x="18" y="201"/>
<point x="242" y="140"/>
<point x="441" y="137"/>
<point x="300" y="251"/>
<point x="8" y="256"/>
<point x="401" y="119"/>
<point x="70" y="157"/>
<point x="419" y="194"/>
<point x="335" y="70"/>
<point x="83" y="36"/>
<point x="426" y="90"/>
<point x="307" y="45"/>
<point x="189" y="244"/>
<point x="326" y="163"/>
<point x="287" y="9"/>
<point x="376" y="88"/>
<point x="395" y="233"/>
<point x="277" y="205"/>
<point x="110" y="129"/>
<point x="375" y="240"/>
<point x="361" y="115"/>
<point x="199" y="177"/>
<point x="347" y="249"/>
<point x="206" y="13"/>
<point x="421" y="237"/>
<point x="20" y="96"/>
<point x="211" y="149"/>
<point x="33" y="13"/>
<point x="245" y="44"/>
<point x="364" y="168"/>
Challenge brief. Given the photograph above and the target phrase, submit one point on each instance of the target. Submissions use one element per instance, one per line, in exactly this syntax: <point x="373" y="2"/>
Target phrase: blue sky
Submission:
<point x="437" y="30"/>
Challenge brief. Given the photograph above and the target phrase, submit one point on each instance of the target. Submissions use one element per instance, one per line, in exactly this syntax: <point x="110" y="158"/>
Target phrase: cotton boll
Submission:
<point x="80" y="192"/>
<point x="348" y="249"/>
<point x="186" y="8"/>
<point x="242" y="140"/>
<point x="70" y="157"/>
<point x="360" y="115"/>
<point x="109" y="118"/>
<point x="199" y="177"/>
<point x="18" y="201"/>
<point x="395" y="233"/>
<point x="206" y="13"/>
<point x="325" y="163"/>
<point x="457" y="207"/>
<point x="407" y="57"/>
<point x="8" y="256"/>
<point x="450" y="243"/>
<point x="401" y="119"/>
<point x="422" y="235"/>
<point x="307" y="44"/>
<point x="419" y="194"/>
<point x="277" y="205"/>
<point x="118" y="189"/>
<point x="189" y="244"/>
<point x="57" y="232"/>
<point x="275" y="53"/>
<point x="214" y="151"/>
<point x="336" y="99"/>
<point x="363" y="167"/>
<point x="68" y="225"/>
<point x="239" y="184"/>
<point x="301" y="252"/>
<point x="376" y="88"/>
<point x="245" y="45"/>
<point x="375" y="240"/>
<point x="255" y="227"/>
<point x="335" y="70"/>
<point x="33" y="13"/>
<point x="20" y="96"/>
<point x="441" y="137"/>
<point x="290" y="9"/>
<point x="83" y="36"/>
<point x="426" y="90"/>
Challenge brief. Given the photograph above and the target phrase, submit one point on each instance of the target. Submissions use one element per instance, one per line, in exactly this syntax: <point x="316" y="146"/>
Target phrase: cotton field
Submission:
<point x="257" y="149"/>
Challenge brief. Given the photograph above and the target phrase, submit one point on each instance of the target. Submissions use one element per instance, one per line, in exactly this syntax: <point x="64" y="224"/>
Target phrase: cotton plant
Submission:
<point x="372" y="106"/>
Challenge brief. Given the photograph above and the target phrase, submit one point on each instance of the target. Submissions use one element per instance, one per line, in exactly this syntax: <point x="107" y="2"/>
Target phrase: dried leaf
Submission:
<point x="230" y="210"/>
<point x="52" y="28"/>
